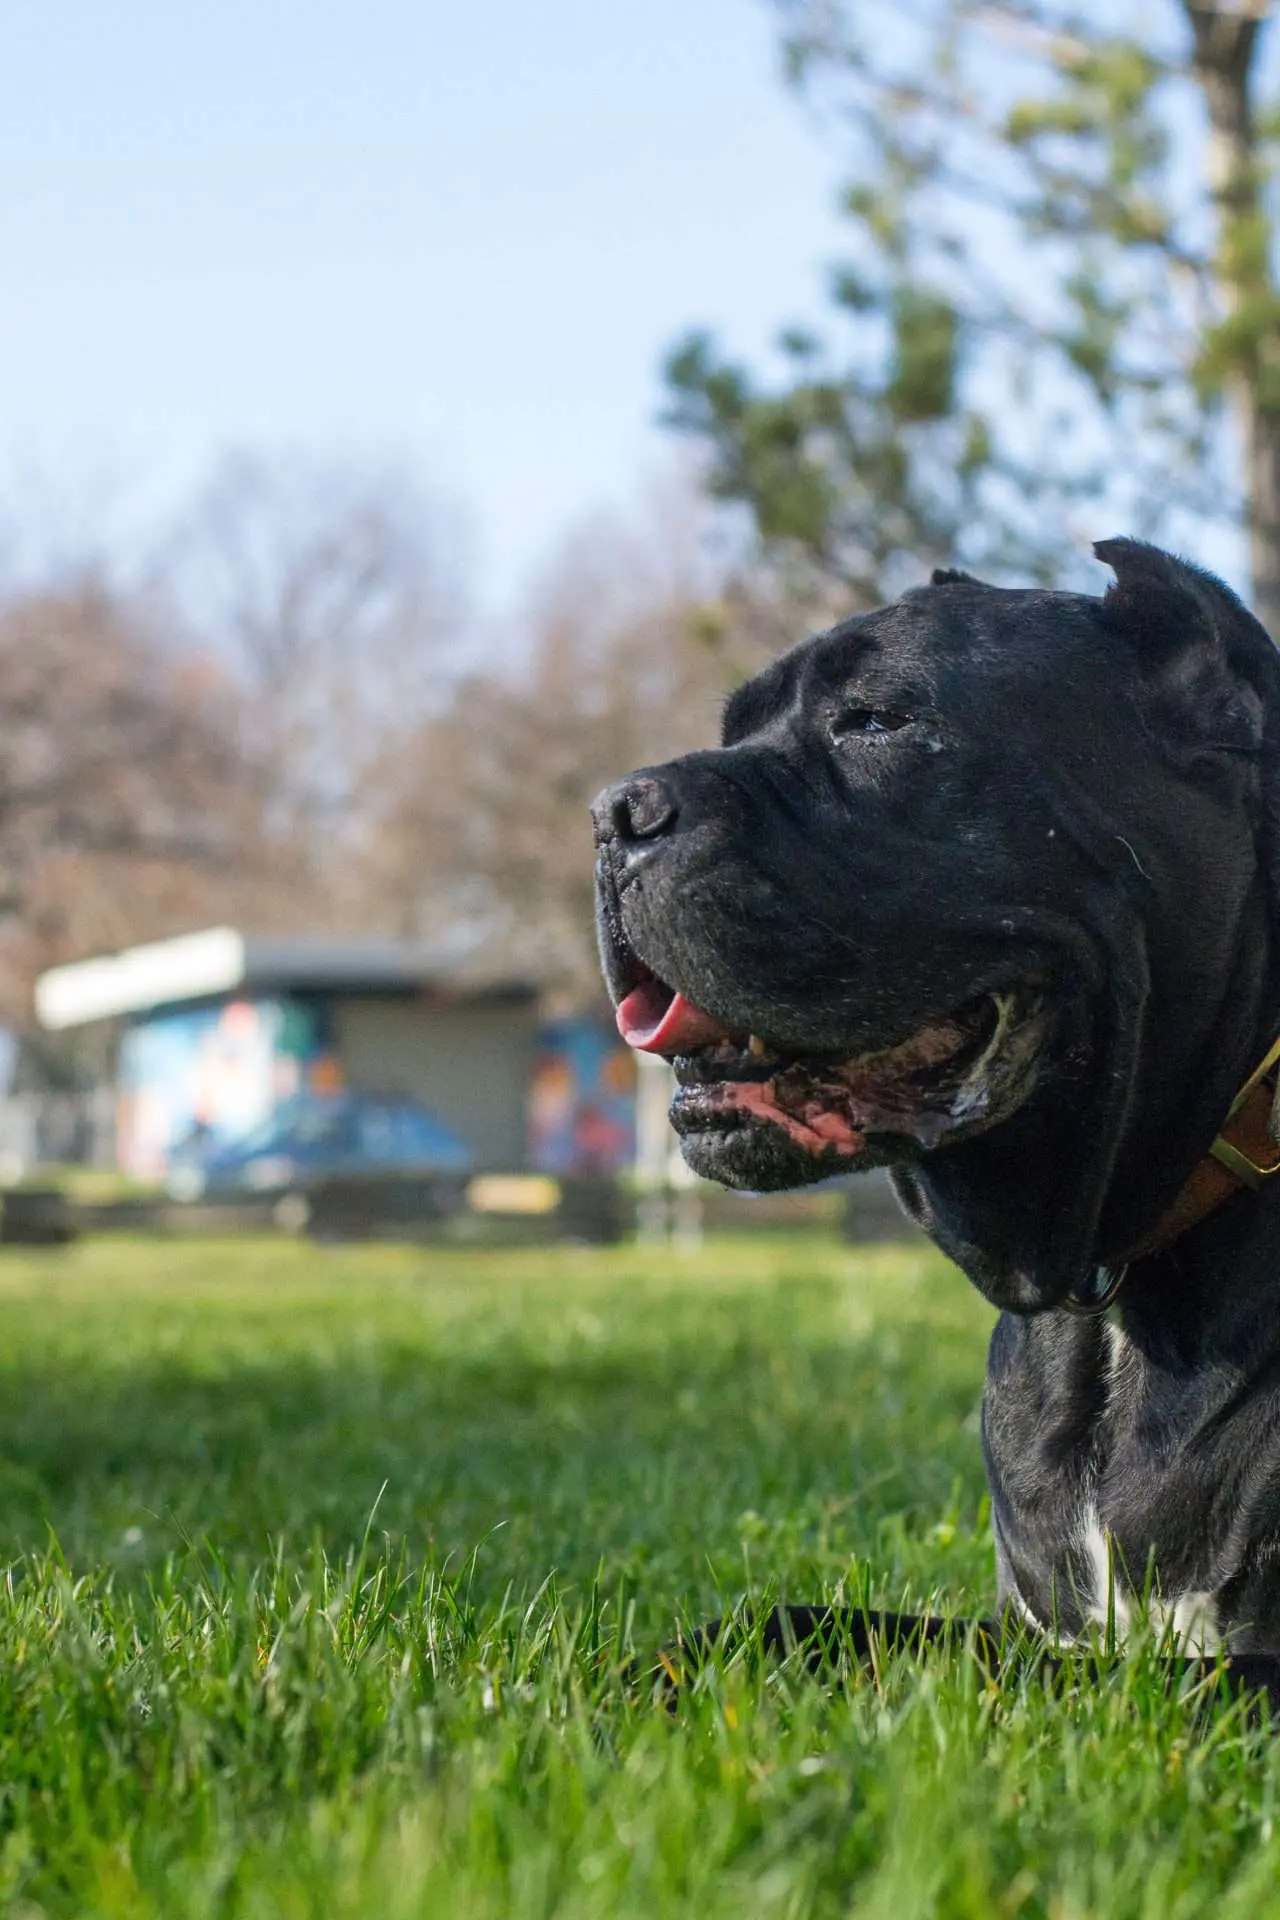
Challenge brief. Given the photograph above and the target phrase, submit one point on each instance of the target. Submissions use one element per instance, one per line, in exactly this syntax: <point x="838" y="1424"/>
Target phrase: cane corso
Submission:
<point x="984" y="887"/>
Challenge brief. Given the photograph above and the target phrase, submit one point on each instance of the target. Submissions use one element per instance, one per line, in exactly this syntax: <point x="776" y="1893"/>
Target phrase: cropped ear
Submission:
<point x="952" y="577"/>
<point x="1209" y="666"/>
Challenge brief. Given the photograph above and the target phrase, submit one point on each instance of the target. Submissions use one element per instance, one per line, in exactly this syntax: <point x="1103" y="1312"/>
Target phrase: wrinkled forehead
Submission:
<point x="955" y="644"/>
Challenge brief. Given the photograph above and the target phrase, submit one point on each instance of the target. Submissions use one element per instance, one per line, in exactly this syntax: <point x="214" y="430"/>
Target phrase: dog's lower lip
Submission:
<point x="812" y="1119"/>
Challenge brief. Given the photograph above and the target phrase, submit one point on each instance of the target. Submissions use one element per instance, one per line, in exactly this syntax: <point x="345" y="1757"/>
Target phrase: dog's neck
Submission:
<point x="1198" y="1118"/>
<point x="1066" y="1186"/>
<point x="1193" y="1291"/>
<point x="1243" y="1156"/>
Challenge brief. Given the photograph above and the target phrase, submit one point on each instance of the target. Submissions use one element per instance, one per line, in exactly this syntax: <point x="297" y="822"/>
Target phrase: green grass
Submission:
<point x="325" y="1568"/>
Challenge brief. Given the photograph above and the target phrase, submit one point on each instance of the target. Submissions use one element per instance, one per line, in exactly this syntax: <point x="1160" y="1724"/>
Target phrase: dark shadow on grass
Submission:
<point x="793" y="1456"/>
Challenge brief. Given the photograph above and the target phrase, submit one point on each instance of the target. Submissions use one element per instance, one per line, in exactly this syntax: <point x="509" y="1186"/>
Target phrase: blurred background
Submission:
<point x="411" y="418"/>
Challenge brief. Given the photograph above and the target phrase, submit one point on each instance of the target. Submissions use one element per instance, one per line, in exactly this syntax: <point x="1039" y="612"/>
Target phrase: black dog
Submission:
<point x="985" y="886"/>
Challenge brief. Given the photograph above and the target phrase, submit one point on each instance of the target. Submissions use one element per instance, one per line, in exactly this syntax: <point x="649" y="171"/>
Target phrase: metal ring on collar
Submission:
<point x="1107" y="1282"/>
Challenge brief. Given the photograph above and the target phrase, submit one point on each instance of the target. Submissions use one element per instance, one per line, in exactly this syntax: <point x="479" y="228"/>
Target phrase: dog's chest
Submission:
<point x="1117" y="1486"/>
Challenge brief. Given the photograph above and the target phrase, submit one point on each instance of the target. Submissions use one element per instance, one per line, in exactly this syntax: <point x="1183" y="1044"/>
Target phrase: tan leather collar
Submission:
<point x="1245" y="1154"/>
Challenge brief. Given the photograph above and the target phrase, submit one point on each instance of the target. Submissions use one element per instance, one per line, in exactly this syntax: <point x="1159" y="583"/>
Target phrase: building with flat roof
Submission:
<point x="214" y="1029"/>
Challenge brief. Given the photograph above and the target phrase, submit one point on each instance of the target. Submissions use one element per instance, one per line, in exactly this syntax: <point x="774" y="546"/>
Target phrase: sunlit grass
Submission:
<point x="326" y="1570"/>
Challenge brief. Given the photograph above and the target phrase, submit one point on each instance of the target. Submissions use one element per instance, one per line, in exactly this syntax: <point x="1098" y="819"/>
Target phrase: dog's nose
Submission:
<point x="640" y="808"/>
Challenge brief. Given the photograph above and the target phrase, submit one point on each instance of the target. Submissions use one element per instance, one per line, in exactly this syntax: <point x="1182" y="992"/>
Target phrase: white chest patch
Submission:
<point x="1188" y="1619"/>
<point x="1118" y="1351"/>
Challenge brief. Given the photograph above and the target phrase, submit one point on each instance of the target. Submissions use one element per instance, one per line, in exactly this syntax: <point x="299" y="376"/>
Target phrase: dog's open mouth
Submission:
<point x="953" y="1074"/>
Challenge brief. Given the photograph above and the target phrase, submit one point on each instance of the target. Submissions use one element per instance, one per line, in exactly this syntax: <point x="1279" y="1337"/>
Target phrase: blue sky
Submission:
<point x="459" y="236"/>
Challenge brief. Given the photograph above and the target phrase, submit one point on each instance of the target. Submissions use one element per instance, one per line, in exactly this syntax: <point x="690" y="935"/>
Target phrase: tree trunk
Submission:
<point x="1225" y="42"/>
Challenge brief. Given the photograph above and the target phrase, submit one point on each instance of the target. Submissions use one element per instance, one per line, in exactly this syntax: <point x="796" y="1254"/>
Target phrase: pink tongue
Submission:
<point x="652" y="1019"/>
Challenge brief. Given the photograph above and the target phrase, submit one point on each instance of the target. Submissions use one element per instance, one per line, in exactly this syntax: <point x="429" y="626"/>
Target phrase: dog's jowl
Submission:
<point x="984" y="886"/>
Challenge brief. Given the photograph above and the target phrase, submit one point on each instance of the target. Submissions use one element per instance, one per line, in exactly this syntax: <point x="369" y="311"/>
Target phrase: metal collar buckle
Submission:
<point x="1248" y="1171"/>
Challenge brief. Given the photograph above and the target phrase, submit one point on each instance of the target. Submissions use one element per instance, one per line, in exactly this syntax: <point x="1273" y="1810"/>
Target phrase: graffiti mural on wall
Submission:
<point x="581" y="1100"/>
<point x="215" y="1071"/>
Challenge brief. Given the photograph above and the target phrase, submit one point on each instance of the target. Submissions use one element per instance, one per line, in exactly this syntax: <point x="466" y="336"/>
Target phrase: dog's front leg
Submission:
<point x="830" y="1637"/>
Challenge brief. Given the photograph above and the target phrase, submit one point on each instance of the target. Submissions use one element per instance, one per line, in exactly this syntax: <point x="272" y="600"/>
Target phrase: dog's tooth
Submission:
<point x="756" y="1046"/>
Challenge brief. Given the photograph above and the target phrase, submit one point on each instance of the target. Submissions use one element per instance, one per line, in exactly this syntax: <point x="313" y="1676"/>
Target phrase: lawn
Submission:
<point x="324" y="1570"/>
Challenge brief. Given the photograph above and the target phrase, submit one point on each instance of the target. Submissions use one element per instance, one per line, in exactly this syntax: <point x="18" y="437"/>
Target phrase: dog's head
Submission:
<point x="966" y="889"/>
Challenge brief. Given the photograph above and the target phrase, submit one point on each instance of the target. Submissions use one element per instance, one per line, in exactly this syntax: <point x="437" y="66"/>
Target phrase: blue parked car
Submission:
<point x="313" y="1137"/>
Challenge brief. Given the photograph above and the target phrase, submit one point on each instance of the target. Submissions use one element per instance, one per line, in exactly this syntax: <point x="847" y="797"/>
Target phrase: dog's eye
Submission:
<point x="858" y="720"/>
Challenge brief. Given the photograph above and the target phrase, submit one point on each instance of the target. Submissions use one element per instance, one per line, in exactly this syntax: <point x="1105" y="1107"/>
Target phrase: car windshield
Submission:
<point x="302" y="1119"/>
<point x="421" y="1137"/>
<point x="382" y="1132"/>
<point x="395" y="1133"/>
